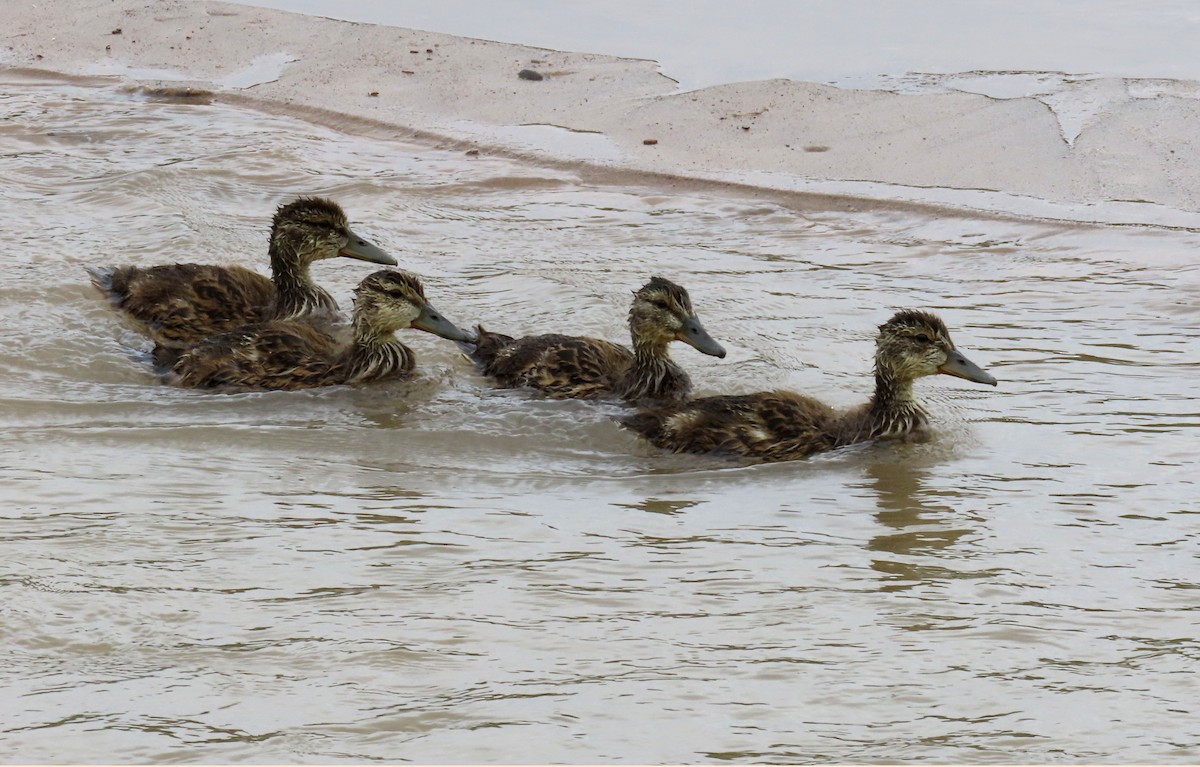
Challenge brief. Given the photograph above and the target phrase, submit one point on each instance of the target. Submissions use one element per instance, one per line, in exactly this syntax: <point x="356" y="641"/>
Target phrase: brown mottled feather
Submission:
<point x="772" y="426"/>
<point x="486" y="345"/>
<point x="177" y="305"/>
<point x="307" y="351"/>
<point x="784" y="426"/>
<point x="181" y="303"/>
<point x="291" y="354"/>
<point x="560" y="366"/>
<point x="579" y="367"/>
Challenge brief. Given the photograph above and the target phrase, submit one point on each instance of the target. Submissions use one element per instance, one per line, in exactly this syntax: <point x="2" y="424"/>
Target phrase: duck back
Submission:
<point x="181" y="304"/>
<point x="559" y="366"/>
<point x="267" y="355"/>
<point x="771" y="426"/>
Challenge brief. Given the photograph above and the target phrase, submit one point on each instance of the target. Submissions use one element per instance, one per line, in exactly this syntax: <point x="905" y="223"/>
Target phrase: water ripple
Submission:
<point x="438" y="571"/>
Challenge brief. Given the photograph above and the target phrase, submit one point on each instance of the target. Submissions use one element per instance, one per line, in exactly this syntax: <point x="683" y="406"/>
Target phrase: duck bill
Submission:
<point x="959" y="366"/>
<point x="693" y="334"/>
<point x="359" y="248"/>
<point x="431" y="321"/>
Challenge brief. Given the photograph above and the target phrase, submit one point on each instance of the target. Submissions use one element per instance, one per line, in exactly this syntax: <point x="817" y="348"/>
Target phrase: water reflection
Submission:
<point x="928" y="525"/>
<point x="920" y="532"/>
<point x="661" y="506"/>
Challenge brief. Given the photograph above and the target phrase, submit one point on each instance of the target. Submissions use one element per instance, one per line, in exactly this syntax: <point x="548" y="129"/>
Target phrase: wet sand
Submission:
<point x="1135" y="160"/>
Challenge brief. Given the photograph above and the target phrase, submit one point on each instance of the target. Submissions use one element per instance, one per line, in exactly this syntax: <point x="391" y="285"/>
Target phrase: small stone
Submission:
<point x="116" y="31"/>
<point x="649" y="141"/>
<point x="408" y="71"/>
<point x="373" y="93"/>
<point x="745" y="127"/>
<point x="429" y="50"/>
<point x="529" y="74"/>
<point x="472" y="153"/>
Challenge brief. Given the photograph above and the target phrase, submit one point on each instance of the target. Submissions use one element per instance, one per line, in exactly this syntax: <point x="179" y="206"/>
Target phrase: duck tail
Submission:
<point x="648" y="423"/>
<point x="485" y="347"/>
<point x="165" y="356"/>
<point x="102" y="277"/>
<point x="112" y="281"/>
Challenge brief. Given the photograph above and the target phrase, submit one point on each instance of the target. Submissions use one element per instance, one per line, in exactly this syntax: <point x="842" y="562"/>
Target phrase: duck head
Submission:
<point x="661" y="313"/>
<point x="312" y="228"/>
<point x="914" y="343"/>
<point x="390" y="300"/>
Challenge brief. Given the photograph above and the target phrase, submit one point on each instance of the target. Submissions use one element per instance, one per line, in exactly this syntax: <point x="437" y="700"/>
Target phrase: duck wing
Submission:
<point x="185" y="303"/>
<point x="267" y="355"/>
<point x="770" y="426"/>
<point x="560" y="366"/>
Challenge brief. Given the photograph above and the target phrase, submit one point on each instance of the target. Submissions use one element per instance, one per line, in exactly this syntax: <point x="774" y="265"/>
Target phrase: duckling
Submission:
<point x="304" y="352"/>
<point x="576" y="367"/>
<point x="784" y="426"/>
<point x="181" y="304"/>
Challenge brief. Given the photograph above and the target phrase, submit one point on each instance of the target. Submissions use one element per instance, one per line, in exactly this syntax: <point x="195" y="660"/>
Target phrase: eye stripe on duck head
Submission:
<point x="917" y="325"/>
<point x="385" y="302"/>
<point x="393" y="284"/>
<point x="916" y="343"/>
<point x="312" y="211"/>
<point x="666" y="295"/>
<point x="310" y="229"/>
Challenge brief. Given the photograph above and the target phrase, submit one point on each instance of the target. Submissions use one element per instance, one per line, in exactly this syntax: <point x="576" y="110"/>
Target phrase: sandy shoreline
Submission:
<point x="1137" y="160"/>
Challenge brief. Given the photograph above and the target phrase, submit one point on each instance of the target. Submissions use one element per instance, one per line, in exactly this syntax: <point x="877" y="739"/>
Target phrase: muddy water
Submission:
<point x="434" y="571"/>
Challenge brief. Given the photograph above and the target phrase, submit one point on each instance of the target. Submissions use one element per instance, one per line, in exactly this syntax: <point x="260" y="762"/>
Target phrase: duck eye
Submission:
<point x="661" y="304"/>
<point x="923" y="338"/>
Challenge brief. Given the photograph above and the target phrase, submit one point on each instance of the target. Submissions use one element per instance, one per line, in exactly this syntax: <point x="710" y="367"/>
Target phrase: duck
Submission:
<point x="303" y="352"/>
<point x="578" y="367"/>
<point x="784" y="425"/>
<point x="178" y="305"/>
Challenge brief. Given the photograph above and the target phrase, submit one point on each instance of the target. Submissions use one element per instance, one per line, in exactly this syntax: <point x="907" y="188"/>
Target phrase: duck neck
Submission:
<point x="376" y="353"/>
<point x="893" y="410"/>
<point x="653" y="375"/>
<point x="295" y="293"/>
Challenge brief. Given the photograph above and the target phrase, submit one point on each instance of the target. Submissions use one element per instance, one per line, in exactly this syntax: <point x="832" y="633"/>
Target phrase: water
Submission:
<point x="434" y="571"/>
